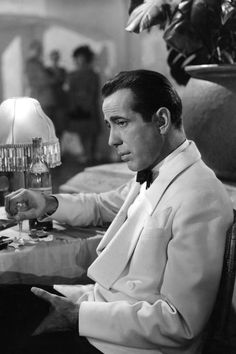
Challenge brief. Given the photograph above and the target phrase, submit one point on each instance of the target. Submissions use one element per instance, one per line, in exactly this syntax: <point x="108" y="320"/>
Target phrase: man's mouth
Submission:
<point x="125" y="157"/>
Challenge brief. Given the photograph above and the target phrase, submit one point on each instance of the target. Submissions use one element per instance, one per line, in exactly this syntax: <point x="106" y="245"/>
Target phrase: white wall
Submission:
<point x="12" y="78"/>
<point x="64" y="25"/>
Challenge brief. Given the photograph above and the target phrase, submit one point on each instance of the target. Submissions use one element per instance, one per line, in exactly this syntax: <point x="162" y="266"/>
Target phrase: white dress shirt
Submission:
<point x="155" y="171"/>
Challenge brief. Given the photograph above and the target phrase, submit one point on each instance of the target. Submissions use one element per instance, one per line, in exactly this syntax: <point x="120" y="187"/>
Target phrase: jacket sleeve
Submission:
<point x="85" y="209"/>
<point x="190" y="282"/>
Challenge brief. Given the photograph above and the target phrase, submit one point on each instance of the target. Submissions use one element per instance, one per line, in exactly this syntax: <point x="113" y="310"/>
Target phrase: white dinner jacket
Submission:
<point x="157" y="272"/>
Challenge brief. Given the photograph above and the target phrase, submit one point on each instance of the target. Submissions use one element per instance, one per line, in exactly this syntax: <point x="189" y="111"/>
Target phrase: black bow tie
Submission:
<point x="144" y="176"/>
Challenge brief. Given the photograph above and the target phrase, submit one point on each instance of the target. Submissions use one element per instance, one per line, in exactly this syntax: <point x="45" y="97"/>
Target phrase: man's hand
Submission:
<point x="35" y="204"/>
<point x="63" y="315"/>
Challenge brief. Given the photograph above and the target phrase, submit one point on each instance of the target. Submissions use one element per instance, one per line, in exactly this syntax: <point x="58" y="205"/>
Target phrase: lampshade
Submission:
<point x="21" y="119"/>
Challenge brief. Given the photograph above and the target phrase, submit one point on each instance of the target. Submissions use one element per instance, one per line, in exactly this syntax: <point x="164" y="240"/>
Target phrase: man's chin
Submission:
<point x="131" y="166"/>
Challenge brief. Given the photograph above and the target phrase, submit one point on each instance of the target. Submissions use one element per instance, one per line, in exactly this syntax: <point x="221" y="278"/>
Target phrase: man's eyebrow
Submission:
<point x="114" y="118"/>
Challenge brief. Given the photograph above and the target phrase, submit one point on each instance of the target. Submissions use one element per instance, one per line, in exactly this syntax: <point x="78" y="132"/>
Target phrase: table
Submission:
<point x="64" y="260"/>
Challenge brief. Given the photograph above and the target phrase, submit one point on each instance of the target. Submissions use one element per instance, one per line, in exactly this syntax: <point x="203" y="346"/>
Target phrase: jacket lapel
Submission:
<point x="112" y="260"/>
<point x="120" y="239"/>
<point x="168" y="172"/>
<point x="120" y="218"/>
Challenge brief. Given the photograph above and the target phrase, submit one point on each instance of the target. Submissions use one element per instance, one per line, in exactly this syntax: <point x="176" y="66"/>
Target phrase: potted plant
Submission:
<point x="201" y="40"/>
<point x="196" y="31"/>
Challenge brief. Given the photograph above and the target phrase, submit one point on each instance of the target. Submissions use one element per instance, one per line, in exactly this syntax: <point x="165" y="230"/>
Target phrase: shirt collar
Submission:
<point x="173" y="154"/>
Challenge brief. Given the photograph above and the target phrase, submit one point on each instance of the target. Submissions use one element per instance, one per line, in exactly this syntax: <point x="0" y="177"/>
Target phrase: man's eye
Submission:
<point x="121" y="123"/>
<point x="107" y="125"/>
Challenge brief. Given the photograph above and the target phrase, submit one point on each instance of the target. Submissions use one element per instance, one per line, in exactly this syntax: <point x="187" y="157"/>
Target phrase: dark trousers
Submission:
<point x="20" y="314"/>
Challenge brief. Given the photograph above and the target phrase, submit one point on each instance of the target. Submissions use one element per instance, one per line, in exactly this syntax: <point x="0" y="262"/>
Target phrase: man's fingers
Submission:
<point x="8" y="205"/>
<point x="25" y="204"/>
<point x="63" y="314"/>
<point x="25" y="215"/>
<point x="43" y="294"/>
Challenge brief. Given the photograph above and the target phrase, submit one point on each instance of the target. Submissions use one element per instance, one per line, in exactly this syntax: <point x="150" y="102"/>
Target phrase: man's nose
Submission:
<point x="114" y="138"/>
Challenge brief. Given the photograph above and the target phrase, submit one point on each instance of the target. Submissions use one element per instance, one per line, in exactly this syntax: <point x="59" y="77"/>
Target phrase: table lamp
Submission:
<point x="21" y="119"/>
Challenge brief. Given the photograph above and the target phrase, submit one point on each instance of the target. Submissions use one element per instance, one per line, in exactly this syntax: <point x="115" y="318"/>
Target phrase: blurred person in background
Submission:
<point x="84" y="101"/>
<point x="58" y="76"/>
<point x="38" y="80"/>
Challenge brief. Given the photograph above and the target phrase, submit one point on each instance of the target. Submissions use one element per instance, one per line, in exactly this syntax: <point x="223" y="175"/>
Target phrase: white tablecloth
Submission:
<point x="63" y="260"/>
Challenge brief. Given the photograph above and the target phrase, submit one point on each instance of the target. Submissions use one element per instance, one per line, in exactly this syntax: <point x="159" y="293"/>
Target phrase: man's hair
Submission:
<point x="84" y="51"/>
<point x="151" y="91"/>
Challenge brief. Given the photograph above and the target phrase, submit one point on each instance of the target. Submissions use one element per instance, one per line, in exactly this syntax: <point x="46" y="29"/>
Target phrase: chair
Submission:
<point x="219" y="337"/>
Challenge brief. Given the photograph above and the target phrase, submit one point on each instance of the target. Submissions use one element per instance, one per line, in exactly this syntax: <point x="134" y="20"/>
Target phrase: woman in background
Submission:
<point x="84" y="97"/>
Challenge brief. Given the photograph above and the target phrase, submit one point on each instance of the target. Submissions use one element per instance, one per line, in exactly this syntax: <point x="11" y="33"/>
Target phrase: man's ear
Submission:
<point x="162" y="119"/>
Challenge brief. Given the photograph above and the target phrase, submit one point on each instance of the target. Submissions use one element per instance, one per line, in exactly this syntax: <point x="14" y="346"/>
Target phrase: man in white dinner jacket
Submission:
<point x="159" y="263"/>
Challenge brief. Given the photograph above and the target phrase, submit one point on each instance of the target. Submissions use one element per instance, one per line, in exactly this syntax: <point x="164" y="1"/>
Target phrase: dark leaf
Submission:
<point x="134" y="4"/>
